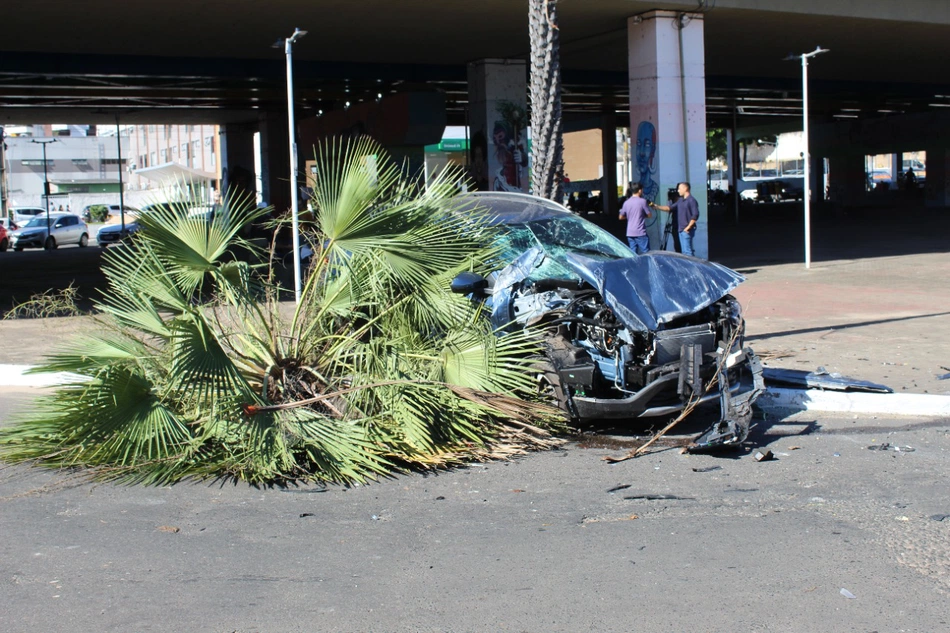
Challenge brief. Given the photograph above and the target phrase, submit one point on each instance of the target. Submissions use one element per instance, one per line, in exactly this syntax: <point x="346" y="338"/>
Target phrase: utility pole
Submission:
<point x="295" y="226"/>
<point x="118" y="143"/>
<point x="4" y="211"/>
<point x="805" y="57"/>
<point x="45" y="183"/>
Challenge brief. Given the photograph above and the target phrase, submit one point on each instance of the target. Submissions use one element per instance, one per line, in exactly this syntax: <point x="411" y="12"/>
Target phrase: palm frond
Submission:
<point x="198" y="371"/>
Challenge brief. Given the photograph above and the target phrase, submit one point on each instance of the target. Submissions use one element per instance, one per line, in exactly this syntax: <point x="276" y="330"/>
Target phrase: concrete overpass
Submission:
<point x="212" y="61"/>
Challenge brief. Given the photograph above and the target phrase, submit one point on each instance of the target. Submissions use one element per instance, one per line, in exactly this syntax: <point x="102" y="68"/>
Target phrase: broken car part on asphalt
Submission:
<point x="820" y="379"/>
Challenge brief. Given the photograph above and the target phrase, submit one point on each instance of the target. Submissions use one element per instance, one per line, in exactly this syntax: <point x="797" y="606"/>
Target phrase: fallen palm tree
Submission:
<point x="197" y="370"/>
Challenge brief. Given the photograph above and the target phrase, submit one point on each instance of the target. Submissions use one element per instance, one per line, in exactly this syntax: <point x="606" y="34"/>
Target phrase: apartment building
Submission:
<point x="167" y="155"/>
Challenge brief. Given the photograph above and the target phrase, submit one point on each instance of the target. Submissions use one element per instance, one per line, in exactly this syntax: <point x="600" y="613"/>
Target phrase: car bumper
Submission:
<point x="112" y="237"/>
<point x="640" y="404"/>
<point x="31" y="241"/>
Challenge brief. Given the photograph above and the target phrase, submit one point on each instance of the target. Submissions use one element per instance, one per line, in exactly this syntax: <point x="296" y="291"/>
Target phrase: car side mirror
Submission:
<point x="469" y="284"/>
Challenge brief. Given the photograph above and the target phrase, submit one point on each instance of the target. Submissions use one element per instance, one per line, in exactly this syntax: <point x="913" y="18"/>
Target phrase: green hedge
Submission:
<point x="98" y="213"/>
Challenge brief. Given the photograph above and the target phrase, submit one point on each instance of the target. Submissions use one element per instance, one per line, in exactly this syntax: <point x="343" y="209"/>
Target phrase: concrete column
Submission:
<point x="817" y="173"/>
<point x="275" y="162"/>
<point x="937" y="185"/>
<point x="412" y="156"/>
<point x="896" y="165"/>
<point x="498" y="121"/>
<point x="608" y="196"/>
<point x="237" y="157"/>
<point x="848" y="179"/>
<point x="668" y="111"/>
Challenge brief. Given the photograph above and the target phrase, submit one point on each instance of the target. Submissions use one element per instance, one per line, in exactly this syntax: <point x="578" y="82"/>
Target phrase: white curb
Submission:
<point x="774" y="399"/>
<point x="16" y="376"/>
<point x="916" y="404"/>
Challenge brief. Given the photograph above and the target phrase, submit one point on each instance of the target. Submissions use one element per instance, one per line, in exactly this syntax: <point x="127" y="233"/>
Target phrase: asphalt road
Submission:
<point x="558" y="541"/>
<point x="34" y="271"/>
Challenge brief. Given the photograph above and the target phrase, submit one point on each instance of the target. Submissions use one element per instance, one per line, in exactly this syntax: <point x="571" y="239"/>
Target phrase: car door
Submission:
<point x="72" y="225"/>
<point x="60" y="231"/>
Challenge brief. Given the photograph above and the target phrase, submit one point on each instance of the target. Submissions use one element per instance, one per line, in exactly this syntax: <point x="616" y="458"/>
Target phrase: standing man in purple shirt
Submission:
<point x="635" y="211"/>
<point x="687" y="215"/>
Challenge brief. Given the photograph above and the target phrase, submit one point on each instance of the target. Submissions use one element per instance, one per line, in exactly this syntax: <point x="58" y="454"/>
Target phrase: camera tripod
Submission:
<point x="667" y="234"/>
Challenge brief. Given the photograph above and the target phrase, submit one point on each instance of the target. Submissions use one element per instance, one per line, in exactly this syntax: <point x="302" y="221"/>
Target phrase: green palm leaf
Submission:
<point x="199" y="371"/>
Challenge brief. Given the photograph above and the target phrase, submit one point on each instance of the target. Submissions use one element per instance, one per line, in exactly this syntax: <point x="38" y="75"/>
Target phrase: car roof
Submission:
<point x="58" y="215"/>
<point x="515" y="208"/>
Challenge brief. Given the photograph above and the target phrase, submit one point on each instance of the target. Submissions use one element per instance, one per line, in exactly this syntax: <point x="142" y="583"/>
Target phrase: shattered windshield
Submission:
<point x="557" y="236"/>
<point x="528" y="222"/>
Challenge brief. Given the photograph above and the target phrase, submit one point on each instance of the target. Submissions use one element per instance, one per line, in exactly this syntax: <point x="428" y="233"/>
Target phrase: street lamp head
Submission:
<point x="290" y="40"/>
<point x="818" y="50"/>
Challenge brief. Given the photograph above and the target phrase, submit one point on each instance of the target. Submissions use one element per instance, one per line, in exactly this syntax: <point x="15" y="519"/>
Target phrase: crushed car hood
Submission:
<point x="644" y="291"/>
<point x="649" y="290"/>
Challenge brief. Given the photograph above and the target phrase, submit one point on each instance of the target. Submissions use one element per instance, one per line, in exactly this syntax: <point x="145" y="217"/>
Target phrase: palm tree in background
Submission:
<point x="547" y="171"/>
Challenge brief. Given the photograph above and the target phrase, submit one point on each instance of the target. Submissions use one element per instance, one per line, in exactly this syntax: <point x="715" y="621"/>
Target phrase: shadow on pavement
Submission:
<point x="845" y="326"/>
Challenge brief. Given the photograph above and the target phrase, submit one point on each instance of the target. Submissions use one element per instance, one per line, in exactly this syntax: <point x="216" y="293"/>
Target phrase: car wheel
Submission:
<point x="17" y="248"/>
<point x="3" y="245"/>
<point x="84" y="241"/>
<point x="50" y="243"/>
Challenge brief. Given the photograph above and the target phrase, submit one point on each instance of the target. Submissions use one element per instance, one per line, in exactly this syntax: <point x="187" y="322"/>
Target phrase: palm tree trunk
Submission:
<point x="547" y="169"/>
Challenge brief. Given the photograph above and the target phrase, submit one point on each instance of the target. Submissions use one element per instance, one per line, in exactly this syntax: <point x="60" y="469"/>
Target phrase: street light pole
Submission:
<point x="4" y="210"/>
<point x="288" y="51"/>
<point x="118" y="143"/>
<point x="805" y="56"/>
<point x="45" y="182"/>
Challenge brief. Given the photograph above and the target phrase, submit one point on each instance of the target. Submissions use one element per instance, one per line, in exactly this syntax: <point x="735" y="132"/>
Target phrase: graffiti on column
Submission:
<point x="478" y="166"/>
<point x="508" y="138"/>
<point x="647" y="159"/>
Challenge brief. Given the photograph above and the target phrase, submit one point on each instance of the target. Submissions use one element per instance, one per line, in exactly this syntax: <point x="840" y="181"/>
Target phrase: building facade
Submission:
<point x="80" y="169"/>
<point x="163" y="155"/>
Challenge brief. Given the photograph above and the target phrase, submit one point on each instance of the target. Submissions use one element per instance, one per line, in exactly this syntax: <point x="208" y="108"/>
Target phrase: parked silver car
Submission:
<point x="63" y="228"/>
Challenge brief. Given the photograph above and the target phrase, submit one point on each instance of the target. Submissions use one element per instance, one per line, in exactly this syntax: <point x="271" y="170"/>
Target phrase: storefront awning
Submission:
<point x="173" y="173"/>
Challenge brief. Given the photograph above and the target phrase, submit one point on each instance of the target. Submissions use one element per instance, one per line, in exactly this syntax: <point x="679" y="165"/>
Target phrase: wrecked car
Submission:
<point x="626" y="336"/>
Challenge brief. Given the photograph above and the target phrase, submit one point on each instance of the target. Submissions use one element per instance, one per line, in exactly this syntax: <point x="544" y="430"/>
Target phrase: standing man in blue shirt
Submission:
<point x="687" y="215"/>
<point x="635" y="211"/>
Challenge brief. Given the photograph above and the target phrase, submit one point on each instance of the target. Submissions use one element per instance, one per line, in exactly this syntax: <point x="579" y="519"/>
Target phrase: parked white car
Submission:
<point x="22" y="215"/>
<point x="63" y="228"/>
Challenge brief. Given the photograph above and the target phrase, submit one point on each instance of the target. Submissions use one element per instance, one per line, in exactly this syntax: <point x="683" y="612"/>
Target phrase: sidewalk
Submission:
<point x="875" y="303"/>
<point x="880" y="319"/>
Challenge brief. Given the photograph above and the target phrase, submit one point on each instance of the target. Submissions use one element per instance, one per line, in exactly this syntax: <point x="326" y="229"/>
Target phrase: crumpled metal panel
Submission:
<point x="518" y="270"/>
<point x="644" y="291"/>
<point x="650" y="290"/>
